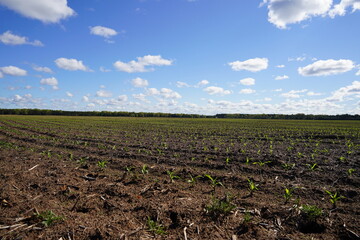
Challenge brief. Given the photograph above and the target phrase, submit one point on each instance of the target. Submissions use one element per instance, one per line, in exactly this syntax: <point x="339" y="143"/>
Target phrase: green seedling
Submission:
<point x="145" y="169"/>
<point x="288" y="194"/>
<point x="288" y="166"/>
<point x="313" y="167"/>
<point x="261" y="163"/>
<point x="334" y="197"/>
<point x="350" y="171"/>
<point x="129" y="169"/>
<point x="214" y="181"/>
<point x="227" y="160"/>
<point x="155" y="227"/>
<point x="247" y="218"/>
<point x="102" y="164"/>
<point x="172" y="176"/>
<point x="252" y="187"/>
<point x="311" y="212"/>
<point x="220" y="207"/>
<point x="48" y="218"/>
<point x="192" y="180"/>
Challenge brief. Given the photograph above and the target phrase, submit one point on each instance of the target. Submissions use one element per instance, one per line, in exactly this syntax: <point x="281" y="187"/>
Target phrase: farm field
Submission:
<point x="166" y="178"/>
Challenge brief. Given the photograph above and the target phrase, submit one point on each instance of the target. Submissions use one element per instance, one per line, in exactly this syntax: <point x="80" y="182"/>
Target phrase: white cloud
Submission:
<point x="217" y="90"/>
<point x="47" y="11"/>
<point x="280" y="66"/>
<point x="69" y="94"/>
<point x="122" y="98"/>
<point x="152" y="91"/>
<point x="85" y="98"/>
<point x="247" y="91"/>
<point x="1" y="75"/>
<point x="202" y="83"/>
<point x="49" y="81"/>
<point x="168" y="93"/>
<point x="281" y="77"/>
<point x="340" y="8"/>
<point x="43" y="69"/>
<point x="71" y="64"/>
<point x="297" y="59"/>
<point x="284" y="12"/>
<point x="252" y="65"/>
<point x="141" y="64"/>
<point x="140" y="96"/>
<point x="326" y="67"/>
<point x="311" y="93"/>
<point x="267" y="99"/>
<point x="278" y="90"/>
<point x="165" y="93"/>
<point x="182" y="84"/>
<point x="103" y="93"/>
<point x="102" y="69"/>
<point x="103" y="31"/>
<point x="247" y="81"/>
<point x="13" y="71"/>
<point x="293" y="93"/>
<point x="358" y="73"/>
<point x="340" y="94"/>
<point x="139" y="82"/>
<point x="11" y="39"/>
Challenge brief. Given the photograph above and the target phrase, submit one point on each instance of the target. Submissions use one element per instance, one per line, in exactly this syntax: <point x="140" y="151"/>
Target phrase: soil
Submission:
<point x="54" y="164"/>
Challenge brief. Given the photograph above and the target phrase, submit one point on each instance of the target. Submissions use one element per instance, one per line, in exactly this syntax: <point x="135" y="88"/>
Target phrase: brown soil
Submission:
<point x="49" y="167"/>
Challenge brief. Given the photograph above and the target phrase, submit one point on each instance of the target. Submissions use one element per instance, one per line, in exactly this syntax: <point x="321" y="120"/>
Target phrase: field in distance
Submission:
<point x="167" y="178"/>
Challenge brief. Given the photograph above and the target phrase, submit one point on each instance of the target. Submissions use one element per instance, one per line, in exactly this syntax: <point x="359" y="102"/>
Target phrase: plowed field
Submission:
<point x="158" y="178"/>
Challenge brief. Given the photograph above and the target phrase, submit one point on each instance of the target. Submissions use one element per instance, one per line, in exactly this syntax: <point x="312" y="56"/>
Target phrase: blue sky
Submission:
<point x="181" y="56"/>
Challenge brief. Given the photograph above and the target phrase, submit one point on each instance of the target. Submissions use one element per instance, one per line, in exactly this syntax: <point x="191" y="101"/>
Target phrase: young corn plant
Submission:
<point x="334" y="197"/>
<point x="288" y="194"/>
<point x="172" y="176"/>
<point x="214" y="182"/>
<point x="145" y="169"/>
<point x="192" y="180"/>
<point x="102" y="164"/>
<point x="350" y="171"/>
<point x="252" y="187"/>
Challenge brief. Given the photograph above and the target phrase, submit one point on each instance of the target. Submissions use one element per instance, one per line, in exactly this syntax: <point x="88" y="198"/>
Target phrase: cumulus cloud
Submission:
<point x="293" y="93"/>
<point x="9" y="38"/>
<point x="247" y="91"/>
<point x="139" y="82"/>
<point x="202" y="83"/>
<point x="217" y="90"/>
<point x="1" y="75"/>
<point x="71" y="64"/>
<point x="311" y="93"/>
<point x="358" y="73"/>
<point x="247" y="81"/>
<point x="47" y="11"/>
<point x="326" y="67"/>
<point x="49" y="81"/>
<point x="85" y="98"/>
<point x="43" y="69"/>
<point x="141" y="64"/>
<point x="163" y="93"/>
<point x="140" y="96"/>
<point x="69" y="94"/>
<point x="284" y="12"/>
<point x="102" y="69"/>
<point x="103" y="93"/>
<point x="13" y="71"/>
<point x="182" y="84"/>
<point x="281" y="77"/>
<point x="340" y="8"/>
<point x="340" y="94"/>
<point x="122" y="98"/>
<point x="280" y="66"/>
<point x="103" y="31"/>
<point x="252" y="65"/>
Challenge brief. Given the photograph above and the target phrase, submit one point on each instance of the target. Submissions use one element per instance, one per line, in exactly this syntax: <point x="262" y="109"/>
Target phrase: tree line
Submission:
<point x="299" y="116"/>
